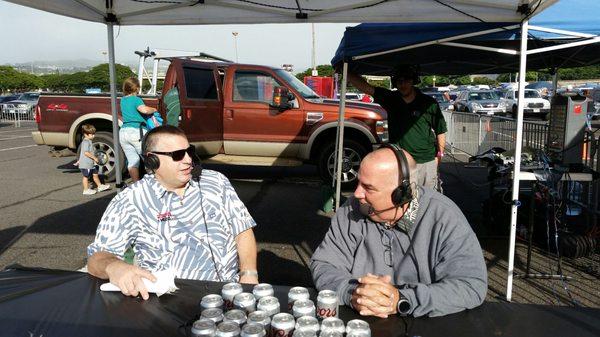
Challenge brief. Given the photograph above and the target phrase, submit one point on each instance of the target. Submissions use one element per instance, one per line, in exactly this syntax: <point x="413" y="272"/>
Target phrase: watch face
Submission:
<point x="403" y="306"/>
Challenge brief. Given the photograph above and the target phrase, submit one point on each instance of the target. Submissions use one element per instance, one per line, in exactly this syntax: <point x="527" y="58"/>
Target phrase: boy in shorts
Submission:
<point x="87" y="161"/>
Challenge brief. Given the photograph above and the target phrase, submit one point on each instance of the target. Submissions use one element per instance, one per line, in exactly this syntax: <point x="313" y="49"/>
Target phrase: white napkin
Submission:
<point x="165" y="283"/>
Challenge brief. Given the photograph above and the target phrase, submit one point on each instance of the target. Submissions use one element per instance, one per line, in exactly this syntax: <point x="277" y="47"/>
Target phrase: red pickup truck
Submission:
<point x="232" y="113"/>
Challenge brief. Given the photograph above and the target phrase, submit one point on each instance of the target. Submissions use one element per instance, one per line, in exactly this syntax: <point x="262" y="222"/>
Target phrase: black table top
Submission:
<point x="40" y="302"/>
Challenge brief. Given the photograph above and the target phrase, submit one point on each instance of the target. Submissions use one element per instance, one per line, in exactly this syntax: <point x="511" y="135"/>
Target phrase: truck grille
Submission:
<point x="536" y="105"/>
<point x="490" y="105"/>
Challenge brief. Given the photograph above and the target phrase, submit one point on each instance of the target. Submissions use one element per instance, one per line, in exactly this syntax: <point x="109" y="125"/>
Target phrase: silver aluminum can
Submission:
<point x="282" y="325"/>
<point x="214" y="314"/>
<point x="358" y="328"/>
<point x="262" y="290"/>
<point x="228" y="292"/>
<point x="333" y="324"/>
<point x="303" y="308"/>
<point x="307" y="323"/>
<point x="204" y="327"/>
<point x="327" y="304"/>
<point x="228" y="329"/>
<point x="235" y="315"/>
<point x="306" y="333"/>
<point x="268" y="304"/>
<point x="211" y="301"/>
<point x="331" y="333"/>
<point x="296" y="293"/>
<point x="244" y="301"/>
<point x="253" y="330"/>
<point x="259" y="316"/>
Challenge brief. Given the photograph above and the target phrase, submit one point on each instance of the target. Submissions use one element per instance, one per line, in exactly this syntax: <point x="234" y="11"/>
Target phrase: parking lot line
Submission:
<point x="14" y="137"/>
<point x="18" y="130"/>
<point x="16" y="148"/>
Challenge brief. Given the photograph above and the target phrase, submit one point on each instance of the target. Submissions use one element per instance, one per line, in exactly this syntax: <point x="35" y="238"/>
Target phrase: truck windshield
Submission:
<point x="305" y="91"/>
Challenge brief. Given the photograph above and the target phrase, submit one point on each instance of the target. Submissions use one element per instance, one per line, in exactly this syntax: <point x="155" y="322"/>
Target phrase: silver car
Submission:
<point x="485" y="102"/>
<point x="22" y="105"/>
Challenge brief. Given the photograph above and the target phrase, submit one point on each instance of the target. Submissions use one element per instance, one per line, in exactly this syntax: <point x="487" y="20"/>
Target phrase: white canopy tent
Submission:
<point x="201" y="12"/>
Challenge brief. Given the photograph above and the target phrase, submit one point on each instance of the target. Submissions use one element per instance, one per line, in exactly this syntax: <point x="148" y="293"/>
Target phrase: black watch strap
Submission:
<point x="404" y="305"/>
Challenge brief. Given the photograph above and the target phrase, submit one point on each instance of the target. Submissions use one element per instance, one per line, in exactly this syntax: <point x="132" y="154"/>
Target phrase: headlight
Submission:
<point x="450" y="107"/>
<point x="475" y="105"/>
<point x="381" y="127"/>
<point x="502" y="105"/>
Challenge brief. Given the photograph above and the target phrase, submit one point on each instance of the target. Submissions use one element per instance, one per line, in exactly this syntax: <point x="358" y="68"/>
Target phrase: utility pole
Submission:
<point x="314" y="63"/>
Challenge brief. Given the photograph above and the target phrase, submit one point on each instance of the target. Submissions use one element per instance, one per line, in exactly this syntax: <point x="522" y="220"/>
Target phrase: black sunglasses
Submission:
<point x="179" y="154"/>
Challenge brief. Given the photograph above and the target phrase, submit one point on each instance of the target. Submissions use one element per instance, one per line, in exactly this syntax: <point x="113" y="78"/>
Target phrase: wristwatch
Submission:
<point x="248" y="273"/>
<point x="403" y="307"/>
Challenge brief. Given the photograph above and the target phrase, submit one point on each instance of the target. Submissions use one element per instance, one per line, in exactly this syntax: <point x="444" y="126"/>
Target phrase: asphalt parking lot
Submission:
<point x="45" y="221"/>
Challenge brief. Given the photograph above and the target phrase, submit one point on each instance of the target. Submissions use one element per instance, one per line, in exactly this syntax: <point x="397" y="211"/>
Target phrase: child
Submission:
<point x="87" y="161"/>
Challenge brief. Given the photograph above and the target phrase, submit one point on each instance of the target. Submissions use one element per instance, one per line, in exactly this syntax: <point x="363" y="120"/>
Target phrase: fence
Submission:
<point x="15" y="113"/>
<point x="473" y="133"/>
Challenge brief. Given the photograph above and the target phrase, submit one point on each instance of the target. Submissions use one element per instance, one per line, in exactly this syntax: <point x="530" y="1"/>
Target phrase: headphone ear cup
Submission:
<point x="402" y="195"/>
<point x="152" y="162"/>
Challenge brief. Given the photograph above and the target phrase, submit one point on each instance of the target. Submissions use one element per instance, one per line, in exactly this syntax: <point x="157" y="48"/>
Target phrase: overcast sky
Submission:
<point x="32" y="35"/>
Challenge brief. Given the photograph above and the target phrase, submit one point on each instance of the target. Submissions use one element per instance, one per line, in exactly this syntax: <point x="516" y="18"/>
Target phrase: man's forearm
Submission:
<point x="361" y="84"/>
<point x="441" y="142"/>
<point x="98" y="262"/>
<point x="246" y="246"/>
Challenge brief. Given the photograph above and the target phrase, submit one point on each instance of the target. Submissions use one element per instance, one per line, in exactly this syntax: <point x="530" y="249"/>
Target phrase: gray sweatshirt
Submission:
<point x="438" y="265"/>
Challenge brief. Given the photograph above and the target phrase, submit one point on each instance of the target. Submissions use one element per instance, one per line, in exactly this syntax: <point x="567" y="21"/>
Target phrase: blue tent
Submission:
<point x="439" y="48"/>
<point x="567" y="34"/>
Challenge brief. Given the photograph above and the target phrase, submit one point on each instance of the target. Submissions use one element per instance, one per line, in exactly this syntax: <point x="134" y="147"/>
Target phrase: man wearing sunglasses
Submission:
<point x="191" y="223"/>
<point x="398" y="248"/>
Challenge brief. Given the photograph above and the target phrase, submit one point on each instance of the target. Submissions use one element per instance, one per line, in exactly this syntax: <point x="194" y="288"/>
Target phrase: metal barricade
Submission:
<point x="473" y="133"/>
<point x="10" y="113"/>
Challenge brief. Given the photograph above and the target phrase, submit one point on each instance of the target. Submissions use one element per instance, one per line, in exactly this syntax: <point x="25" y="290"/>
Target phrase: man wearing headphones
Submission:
<point x="179" y="217"/>
<point x="415" y="121"/>
<point x="399" y="248"/>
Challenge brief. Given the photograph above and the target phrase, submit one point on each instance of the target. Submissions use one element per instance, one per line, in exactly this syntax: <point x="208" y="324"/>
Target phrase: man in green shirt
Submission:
<point x="415" y="121"/>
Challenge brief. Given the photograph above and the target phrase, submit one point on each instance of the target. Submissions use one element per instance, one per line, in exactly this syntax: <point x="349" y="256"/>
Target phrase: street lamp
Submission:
<point x="235" y="34"/>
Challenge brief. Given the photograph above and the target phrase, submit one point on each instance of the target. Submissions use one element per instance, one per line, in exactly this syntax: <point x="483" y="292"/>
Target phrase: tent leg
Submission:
<point x="113" y="101"/>
<point x="340" y="140"/>
<point x="517" y="166"/>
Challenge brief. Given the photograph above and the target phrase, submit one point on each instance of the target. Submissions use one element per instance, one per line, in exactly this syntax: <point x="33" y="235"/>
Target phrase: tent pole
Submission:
<point x="113" y="101"/>
<point x="340" y="140"/>
<point x="517" y="166"/>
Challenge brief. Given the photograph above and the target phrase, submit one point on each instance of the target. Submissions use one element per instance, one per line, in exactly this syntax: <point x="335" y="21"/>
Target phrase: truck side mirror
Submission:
<point x="281" y="98"/>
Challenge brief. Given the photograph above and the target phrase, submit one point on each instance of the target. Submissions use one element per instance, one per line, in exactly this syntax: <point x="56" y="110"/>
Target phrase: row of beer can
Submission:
<point x="259" y="324"/>
<point x="238" y="313"/>
<point x="299" y="304"/>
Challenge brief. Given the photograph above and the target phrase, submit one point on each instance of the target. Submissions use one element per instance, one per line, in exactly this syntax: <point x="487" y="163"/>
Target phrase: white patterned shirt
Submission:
<point x="170" y="232"/>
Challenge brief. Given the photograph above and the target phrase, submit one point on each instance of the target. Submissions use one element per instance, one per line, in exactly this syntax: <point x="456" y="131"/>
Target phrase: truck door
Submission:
<point x="251" y="125"/>
<point x="201" y="105"/>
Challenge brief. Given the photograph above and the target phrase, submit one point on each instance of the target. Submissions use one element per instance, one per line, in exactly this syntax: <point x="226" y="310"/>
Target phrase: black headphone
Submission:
<point x="403" y="193"/>
<point x="151" y="161"/>
<point x="405" y="71"/>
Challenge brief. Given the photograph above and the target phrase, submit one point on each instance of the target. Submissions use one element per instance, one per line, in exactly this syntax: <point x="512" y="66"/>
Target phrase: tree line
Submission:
<point x="97" y="77"/>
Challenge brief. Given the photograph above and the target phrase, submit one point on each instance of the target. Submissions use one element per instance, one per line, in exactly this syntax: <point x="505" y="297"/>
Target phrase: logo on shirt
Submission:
<point x="165" y="216"/>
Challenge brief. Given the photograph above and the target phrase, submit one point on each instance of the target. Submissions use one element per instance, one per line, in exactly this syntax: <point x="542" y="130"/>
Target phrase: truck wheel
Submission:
<point x="514" y="112"/>
<point x="105" y="151"/>
<point x="353" y="154"/>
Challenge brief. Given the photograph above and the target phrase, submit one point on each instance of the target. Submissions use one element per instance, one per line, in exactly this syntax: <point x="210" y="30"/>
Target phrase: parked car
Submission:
<point x="7" y="98"/>
<point x="439" y="96"/>
<point x="485" y="102"/>
<point x="535" y="105"/>
<point x="24" y="104"/>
